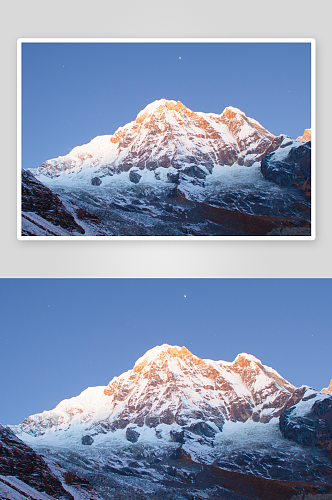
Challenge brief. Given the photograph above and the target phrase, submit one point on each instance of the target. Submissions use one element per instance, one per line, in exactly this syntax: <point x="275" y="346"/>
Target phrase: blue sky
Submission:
<point x="72" y="92"/>
<point x="60" y="336"/>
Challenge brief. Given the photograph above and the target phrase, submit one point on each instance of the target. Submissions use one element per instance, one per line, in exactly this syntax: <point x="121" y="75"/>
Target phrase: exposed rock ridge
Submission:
<point x="328" y="389"/>
<point x="306" y="137"/>
<point x="167" y="134"/>
<point x="170" y="385"/>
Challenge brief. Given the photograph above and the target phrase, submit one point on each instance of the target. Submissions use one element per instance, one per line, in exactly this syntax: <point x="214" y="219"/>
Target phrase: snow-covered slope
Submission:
<point x="165" y="137"/>
<point x="12" y="488"/>
<point x="168" y="389"/>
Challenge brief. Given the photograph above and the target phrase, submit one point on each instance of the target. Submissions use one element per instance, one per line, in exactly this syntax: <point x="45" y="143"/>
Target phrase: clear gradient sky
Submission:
<point x="72" y="92"/>
<point x="60" y="336"/>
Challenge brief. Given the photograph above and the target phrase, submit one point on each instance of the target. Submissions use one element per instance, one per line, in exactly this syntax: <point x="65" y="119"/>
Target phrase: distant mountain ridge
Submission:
<point x="168" y="135"/>
<point x="169" y="385"/>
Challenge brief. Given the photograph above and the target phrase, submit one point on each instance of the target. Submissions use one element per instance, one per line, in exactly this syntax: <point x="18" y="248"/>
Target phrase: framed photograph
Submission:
<point x="166" y="139"/>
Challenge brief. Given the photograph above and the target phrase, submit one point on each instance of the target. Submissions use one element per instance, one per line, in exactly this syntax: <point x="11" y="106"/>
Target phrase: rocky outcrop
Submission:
<point x="194" y="171"/>
<point x="306" y="137"/>
<point x="328" y="389"/>
<point x="177" y="436"/>
<point x="87" y="440"/>
<point x="96" y="181"/>
<point x="309" y="422"/>
<point x="19" y="460"/>
<point x="134" y="176"/>
<point x="173" y="177"/>
<point x="132" y="435"/>
<point x="202" y="429"/>
<point x="289" y="165"/>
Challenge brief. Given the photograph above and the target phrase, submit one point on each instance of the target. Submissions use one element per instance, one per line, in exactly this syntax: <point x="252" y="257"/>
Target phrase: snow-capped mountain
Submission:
<point x="176" y="172"/>
<point x="169" y="388"/>
<point x="167" y="137"/>
<point x="180" y="427"/>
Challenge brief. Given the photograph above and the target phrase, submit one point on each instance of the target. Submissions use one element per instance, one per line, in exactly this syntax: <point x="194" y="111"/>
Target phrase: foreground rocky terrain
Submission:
<point x="25" y="473"/>
<point x="180" y="427"/>
<point x="45" y="213"/>
<point x="176" y="172"/>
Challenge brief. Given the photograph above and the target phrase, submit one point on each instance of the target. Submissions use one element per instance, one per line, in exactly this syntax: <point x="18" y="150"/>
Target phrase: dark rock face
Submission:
<point x="40" y="200"/>
<point x="194" y="171"/>
<point x="177" y="437"/>
<point x="19" y="460"/>
<point x="96" y="181"/>
<point x="134" y="176"/>
<point x="202" y="429"/>
<point x="313" y="428"/>
<point x="132" y="435"/>
<point x="87" y="440"/>
<point x="292" y="169"/>
<point x="172" y="177"/>
<point x="74" y="480"/>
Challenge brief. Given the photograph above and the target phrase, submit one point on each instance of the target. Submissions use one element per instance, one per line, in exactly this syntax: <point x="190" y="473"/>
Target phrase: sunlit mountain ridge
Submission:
<point x="176" y="426"/>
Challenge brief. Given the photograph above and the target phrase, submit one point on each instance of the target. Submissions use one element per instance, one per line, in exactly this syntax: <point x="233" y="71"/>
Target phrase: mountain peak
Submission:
<point x="164" y="349"/>
<point x="166" y="357"/>
<point x="249" y="357"/>
<point x="306" y="137"/>
<point x="161" y="105"/>
<point x="165" y="135"/>
<point x="231" y="109"/>
<point x="328" y="389"/>
<point x="170" y="385"/>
